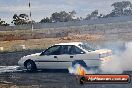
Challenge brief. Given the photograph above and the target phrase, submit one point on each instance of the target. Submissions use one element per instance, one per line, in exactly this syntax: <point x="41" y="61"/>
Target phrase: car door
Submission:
<point x="76" y="53"/>
<point x="49" y="58"/>
<point x="69" y="53"/>
<point x="67" y="57"/>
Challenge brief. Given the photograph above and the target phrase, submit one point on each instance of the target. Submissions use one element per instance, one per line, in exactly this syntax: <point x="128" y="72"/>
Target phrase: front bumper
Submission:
<point x="21" y="64"/>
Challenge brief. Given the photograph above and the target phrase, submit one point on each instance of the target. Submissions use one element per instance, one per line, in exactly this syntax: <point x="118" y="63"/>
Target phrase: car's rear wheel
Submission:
<point x="30" y="66"/>
<point x="81" y="62"/>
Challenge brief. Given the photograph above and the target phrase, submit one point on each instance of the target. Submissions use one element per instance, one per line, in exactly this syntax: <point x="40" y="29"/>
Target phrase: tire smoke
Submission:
<point x="119" y="62"/>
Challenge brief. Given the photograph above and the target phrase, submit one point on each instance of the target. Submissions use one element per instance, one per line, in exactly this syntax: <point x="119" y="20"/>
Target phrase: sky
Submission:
<point x="44" y="8"/>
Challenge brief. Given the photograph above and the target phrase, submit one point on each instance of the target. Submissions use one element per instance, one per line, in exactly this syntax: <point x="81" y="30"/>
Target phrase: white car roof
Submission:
<point x="70" y="43"/>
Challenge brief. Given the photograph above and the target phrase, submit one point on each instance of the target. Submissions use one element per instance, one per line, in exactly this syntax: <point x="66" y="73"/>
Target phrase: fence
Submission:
<point x="68" y="24"/>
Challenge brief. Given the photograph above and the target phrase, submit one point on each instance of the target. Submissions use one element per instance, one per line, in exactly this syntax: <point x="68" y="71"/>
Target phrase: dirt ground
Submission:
<point x="51" y="80"/>
<point x="13" y="50"/>
<point x="40" y="39"/>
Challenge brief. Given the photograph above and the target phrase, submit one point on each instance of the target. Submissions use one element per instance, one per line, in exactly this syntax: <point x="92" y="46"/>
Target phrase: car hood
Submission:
<point x="31" y="55"/>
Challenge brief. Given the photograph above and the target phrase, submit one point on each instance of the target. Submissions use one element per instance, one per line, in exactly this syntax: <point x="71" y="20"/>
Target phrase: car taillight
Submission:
<point x="102" y="55"/>
<point x="105" y="54"/>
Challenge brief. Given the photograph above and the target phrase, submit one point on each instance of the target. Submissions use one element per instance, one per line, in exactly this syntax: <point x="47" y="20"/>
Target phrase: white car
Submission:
<point x="65" y="55"/>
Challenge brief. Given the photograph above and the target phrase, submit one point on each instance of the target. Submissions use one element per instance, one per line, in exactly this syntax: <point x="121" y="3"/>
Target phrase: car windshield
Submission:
<point x="88" y="47"/>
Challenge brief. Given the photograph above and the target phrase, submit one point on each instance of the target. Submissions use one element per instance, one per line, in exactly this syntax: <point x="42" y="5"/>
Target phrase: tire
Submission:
<point x="81" y="62"/>
<point x="30" y="66"/>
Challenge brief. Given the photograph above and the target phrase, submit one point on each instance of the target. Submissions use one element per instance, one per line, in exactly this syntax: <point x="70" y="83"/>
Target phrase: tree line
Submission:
<point x="123" y="8"/>
<point x="3" y="23"/>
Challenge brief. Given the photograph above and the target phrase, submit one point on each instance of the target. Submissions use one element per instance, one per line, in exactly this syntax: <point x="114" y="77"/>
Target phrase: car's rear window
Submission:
<point x="87" y="47"/>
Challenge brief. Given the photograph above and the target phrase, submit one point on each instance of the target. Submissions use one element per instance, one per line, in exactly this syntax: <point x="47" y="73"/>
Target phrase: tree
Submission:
<point x="101" y="16"/>
<point x="46" y="20"/>
<point x="63" y="16"/>
<point x="112" y="14"/>
<point x="60" y="17"/>
<point x="88" y="17"/>
<point x="3" y="23"/>
<point x="72" y="14"/>
<point x="121" y="8"/>
<point x="93" y="15"/>
<point x="78" y="19"/>
<point x="127" y="12"/>
<point x="21" y="19"/>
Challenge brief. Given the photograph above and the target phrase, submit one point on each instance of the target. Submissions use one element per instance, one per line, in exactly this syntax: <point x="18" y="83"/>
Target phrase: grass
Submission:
<point x="42" y="43"/>
<point x="16" y="45"/>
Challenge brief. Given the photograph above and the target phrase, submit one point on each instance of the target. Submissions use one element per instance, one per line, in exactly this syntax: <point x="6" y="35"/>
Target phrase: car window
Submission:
<point x="54" y="50"/>
<point x="76" y="50"/>
<point x="71" y="49"/>
<point x="65" y="49"/>
<point x="87" y="47"/>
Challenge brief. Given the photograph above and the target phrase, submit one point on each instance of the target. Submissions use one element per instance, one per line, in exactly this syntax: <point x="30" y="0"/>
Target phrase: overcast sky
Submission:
<point x="44" y="8"/>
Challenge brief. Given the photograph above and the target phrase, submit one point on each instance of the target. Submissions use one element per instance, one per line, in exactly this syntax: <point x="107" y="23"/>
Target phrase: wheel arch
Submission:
<point x="27" y="61"/>
<point x="81" y="62"/>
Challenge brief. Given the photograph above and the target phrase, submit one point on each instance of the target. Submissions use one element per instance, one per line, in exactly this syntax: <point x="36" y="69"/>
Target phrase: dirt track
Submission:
<point x="11" y="58"/>
<point x="50" y="79"/>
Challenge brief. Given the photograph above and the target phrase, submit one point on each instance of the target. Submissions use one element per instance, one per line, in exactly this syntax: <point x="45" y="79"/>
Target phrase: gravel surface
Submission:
<point x="50" y="79"/>
<point x="11" y="58"/>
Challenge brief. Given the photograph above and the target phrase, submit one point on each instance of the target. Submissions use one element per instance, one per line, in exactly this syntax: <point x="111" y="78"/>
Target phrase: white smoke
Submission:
<point x="119" y="63"/>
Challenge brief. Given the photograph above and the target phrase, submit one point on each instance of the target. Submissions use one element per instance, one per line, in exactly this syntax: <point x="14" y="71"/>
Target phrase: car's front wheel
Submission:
<point x="30" y="66"/>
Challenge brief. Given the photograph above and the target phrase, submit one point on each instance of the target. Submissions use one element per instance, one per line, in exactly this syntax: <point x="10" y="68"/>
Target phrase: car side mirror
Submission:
<point x="42" y="53"/>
